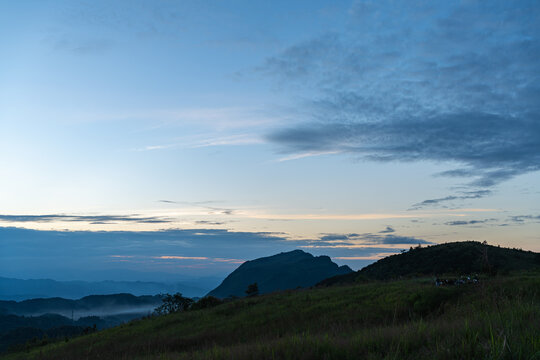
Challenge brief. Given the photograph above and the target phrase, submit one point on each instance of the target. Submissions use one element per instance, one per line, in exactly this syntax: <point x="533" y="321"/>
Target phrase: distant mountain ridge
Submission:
<point x="464" y="257"/>
<point x="18" y="289"/>
<point x="288" y="270"/>
<point x="86" y="306"/>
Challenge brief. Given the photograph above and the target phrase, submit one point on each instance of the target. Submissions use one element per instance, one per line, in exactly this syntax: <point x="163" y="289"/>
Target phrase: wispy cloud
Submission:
<point x="95" y="219"/>
<point x="198" y="142"/>
<point x="305" y="155"/>
<point x="387" y="230"/>
<point x="204" y="205"/>
<point x="362" y="240"/>
<point x="525" y="218"/>
<point x="240" y="139"/>
<point x="368" y="216"/>
<point x="156" y="147"/>
<point x="468" y="222"/>
<point x="211" y="251"/>
<point x="208" y="222"/>
<point x="464" y="195"/>
<point x="173" y="257"/>
<point x="446" y="83"/>
<point x="333" y="216"/>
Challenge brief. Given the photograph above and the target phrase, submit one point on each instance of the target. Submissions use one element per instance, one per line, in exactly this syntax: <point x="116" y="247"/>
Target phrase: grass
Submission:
<point x="499" y="318"/>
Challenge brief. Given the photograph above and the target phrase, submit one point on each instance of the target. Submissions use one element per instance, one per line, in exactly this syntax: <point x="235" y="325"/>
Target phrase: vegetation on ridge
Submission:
<point x="455" y="258"/>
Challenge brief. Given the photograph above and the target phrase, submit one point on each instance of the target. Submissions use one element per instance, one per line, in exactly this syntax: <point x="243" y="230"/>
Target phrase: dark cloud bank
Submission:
<point x="366" y="239"/>
<point x="448" y="82"/>
<point x="153" y="255"/>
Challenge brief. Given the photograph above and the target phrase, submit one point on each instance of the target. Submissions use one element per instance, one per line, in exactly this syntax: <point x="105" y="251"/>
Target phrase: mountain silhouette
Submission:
<point x="288" y="270"/>
<point x="18" y="289"/>
<point x="88" y="305"/>
<point x="457" y="258"/>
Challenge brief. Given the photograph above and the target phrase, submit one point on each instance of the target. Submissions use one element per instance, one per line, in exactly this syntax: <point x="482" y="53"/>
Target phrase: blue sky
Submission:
<point x="347" y="128"/>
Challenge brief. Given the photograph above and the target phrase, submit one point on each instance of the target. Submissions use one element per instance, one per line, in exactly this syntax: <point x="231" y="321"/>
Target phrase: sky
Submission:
<point x="176" y="139"/>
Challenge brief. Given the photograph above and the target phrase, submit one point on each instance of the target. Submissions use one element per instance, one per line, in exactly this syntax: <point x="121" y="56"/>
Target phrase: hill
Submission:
<point x="457" y="258"/>
<point x="86" y="306"/>
<point x="57" y="317"/>
<point x="283" y="271"/>
<point x="404" y="319"/>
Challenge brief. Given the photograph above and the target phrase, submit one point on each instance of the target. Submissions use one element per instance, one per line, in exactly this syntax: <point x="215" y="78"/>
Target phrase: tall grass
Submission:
<point x="498" y="318"/>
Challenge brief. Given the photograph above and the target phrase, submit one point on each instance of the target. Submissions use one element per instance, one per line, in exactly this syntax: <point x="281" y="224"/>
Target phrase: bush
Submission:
<point x="173" y="303"/>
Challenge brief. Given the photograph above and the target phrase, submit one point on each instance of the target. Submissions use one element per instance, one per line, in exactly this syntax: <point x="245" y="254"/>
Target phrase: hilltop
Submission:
<point x="456" y="258"/>
<point x="288" y="270"/>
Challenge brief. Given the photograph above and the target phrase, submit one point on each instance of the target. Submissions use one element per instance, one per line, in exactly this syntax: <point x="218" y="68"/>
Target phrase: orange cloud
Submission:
<point x="232" y="261"/>
<point x="181" y="257"/>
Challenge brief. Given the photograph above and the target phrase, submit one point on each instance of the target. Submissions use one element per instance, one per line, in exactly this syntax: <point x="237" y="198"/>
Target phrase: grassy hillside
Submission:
<point x="407" y="319"/>
<point x="458" y="258"/>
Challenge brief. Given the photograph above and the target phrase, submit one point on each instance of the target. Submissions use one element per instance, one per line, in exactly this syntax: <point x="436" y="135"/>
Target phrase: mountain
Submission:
<point x="458" y="258"/>
<point x="94" y="305"/>
<point x="57" y="317"/>
<point x="17" y="330"/>
<point x="283" y="271"/>
<point x="17" y="289"/>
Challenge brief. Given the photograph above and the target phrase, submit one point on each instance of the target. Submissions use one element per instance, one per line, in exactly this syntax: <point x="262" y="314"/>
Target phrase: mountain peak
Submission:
<point x="286" y="270"/>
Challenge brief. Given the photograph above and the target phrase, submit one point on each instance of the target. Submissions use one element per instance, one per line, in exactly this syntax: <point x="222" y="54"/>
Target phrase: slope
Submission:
<point x="406" y="319"/>
<point x="457" y="258"/>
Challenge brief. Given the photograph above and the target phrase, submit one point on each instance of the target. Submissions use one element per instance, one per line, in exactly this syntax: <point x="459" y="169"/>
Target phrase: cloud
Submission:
<point x="422" y="81"/>
<point x="525" y="218"/>
<point x="93" y="219"/>
<point x="305" y="155"/>
<point x="173" y="257"/>
<point x="207" y="222"/>
<point x="199" y="258"/>
<point x="239" y="139"/>
<point x="462" y="196"/>
<point x="387" y="230"/>
<point x="333" y="216"/>
<point x="204" y="205"/>
<point x="356" y="240"/>
<point x="393" y="239"/>
<point x="218" y="140"/>
<point x="43" y="253"/>
<point x="468" y="222"/>
<point x="332" y="237"/>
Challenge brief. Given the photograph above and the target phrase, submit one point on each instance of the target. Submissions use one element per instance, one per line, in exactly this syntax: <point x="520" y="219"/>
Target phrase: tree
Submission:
<point x="173" y="303"/>
<point x="252" y="290"/>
